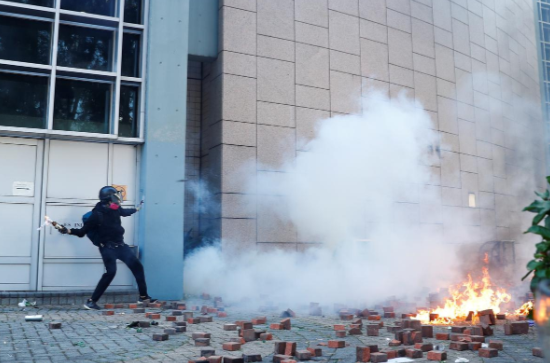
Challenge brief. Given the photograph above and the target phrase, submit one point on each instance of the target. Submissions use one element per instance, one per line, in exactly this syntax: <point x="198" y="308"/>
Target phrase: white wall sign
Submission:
<point x="23" y="188"/>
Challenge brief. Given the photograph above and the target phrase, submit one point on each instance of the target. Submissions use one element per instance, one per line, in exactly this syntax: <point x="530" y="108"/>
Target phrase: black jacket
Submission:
<point x="108" y="223"/>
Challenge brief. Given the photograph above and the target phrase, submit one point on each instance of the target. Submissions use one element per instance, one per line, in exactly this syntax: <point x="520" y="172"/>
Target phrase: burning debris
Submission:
<point x="473" y="301"/>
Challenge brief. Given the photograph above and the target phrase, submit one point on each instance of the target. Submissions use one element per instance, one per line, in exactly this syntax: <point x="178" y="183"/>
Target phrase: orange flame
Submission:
<point x="469" y="296"/>
<point x="524" y="309"/>
<point x="486" y="258"/>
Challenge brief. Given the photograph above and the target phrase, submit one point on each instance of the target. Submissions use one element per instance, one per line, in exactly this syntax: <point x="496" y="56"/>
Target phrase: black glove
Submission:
<point x="63" y="230"/>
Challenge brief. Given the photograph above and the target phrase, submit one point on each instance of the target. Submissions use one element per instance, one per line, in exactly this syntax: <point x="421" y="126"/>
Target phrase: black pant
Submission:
<point x="125" y="254"/>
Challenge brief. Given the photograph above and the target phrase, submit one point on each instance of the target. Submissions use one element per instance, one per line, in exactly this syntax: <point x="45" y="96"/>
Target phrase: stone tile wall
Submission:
<point x="285" y="64"/>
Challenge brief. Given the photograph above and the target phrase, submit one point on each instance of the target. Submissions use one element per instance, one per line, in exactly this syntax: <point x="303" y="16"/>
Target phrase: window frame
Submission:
<point x="58" y="17"/>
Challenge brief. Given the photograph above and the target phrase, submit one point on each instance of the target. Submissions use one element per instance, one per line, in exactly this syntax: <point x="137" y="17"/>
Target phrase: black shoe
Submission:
<point x="147" y="299"/>
<point x="90" y="305"/>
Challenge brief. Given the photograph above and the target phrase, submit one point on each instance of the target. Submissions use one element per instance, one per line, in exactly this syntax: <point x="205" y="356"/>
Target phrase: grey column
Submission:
<point x="163" y="158"/>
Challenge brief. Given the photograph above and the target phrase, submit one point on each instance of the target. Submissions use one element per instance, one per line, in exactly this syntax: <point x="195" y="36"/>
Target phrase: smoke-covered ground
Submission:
<point x="365" y="191"/>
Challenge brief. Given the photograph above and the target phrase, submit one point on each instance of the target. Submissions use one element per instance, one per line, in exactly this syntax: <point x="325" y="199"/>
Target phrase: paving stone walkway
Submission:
<point x="89" y="336"/>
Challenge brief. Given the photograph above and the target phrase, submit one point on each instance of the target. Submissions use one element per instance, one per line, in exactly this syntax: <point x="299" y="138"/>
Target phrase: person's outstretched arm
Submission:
<point x="127" y="212"/>
<point x="90" y="224"/>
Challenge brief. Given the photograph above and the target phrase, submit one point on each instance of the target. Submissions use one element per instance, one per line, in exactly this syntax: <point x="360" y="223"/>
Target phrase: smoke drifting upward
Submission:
<point x="365" y="193"/>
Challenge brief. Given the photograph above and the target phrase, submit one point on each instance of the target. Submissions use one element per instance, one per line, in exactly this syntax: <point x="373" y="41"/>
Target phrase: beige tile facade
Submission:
<point x="284" y="64"/>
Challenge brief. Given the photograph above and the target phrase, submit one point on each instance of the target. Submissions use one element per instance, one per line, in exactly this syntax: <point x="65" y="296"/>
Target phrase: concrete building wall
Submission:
<point x="285" y="64"/>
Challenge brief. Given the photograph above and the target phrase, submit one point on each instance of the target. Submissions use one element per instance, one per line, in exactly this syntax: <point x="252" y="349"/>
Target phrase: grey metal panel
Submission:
<point x="203" y="29"/>
<point x="163" y="158"/>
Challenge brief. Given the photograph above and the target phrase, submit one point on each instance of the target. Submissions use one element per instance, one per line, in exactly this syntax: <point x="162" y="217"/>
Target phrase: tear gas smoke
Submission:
<point x="367" y="191"/>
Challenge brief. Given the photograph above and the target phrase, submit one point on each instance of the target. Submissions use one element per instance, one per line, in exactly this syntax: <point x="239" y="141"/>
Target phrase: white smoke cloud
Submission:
<point x="365" y="191"/>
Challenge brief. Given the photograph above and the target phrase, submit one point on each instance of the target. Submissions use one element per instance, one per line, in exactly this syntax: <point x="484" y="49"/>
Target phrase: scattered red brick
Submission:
<point x="229" y="327"/>
<point x="378" y="357"/>
<point x="437" y="355"/>
<point x="316" y="352"/>
<point x="109" y="306"/>
<point x="160" y="337"/>
<point x="537" y="352"/>
<point x="340" y="334"/>
<point x="120" y="306"/>
<point x="171" y="318"/>
<point x="477" y="338"/>
<point x="290" y="349"/>
<point x="200" y="334"/>
<point x="108" y="312"/>
<point x="276" y="326"/>
<point x="193" y="321"/>
<point x="373" y="330"/>
<point x="266" y="336"/>
<point x="260" y="320"/>
<point x="222" y="314"/>
<point x="414" y="353"/>
<point x="458" y="346"/>
<point x="488" y="352"/>
<point x="154" y="316"/>
<point x="132" y="306"/>
<point x="55" y="325"/>
<point x="303" y="355"/>
<point x="496" y="344"/>
<point x="474" y="346"/>
<point x="231" y="346"/>
<point x="339" y="327"/>
<point x="362" y="354"/>
<point x="373" y="317"/>
<point x="392" y="354"/>
<point x="425" y="347"/>
<point x="285" y="323"/>
<point x="427" y="331"/>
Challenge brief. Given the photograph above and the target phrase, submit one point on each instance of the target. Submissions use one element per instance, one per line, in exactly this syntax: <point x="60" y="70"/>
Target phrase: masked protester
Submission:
<point x="104" y="224"/>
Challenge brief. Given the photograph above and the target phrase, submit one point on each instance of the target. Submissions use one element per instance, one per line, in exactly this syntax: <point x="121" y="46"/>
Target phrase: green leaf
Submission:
<point x="547" y="222"/>
<point x="544" y="195"/>
<point x="535" y="207"/>
<point x="542" y="231"/>
<point x="542" y="246"/>
<point x="534" y="264"/>
<point x="538" y="218"/>
<point x="541" y="273"/>
<point x="548" y="179"/>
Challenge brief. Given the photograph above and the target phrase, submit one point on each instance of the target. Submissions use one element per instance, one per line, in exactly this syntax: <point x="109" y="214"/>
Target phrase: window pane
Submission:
<point x="129" y="111"/>
<point x="25" y="40"/>
<point x="48" y="3"/>
<point x="545" y="12"/>
<point x="85" y="48"/>
<point x="23" y="100"/>
<point x="132" y="11"/>
<point x="130" y="55"/>
<point x="82" y="106"/>
<point x="100" y="7"/>
<point x="546" y="32"/>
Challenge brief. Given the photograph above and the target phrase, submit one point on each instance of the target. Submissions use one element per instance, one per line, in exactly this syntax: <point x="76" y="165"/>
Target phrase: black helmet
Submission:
<point x="110" y="194"/>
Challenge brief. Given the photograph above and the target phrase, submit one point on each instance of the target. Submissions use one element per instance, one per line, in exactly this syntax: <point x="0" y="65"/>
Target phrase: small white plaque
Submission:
<point x="23" y="188"/>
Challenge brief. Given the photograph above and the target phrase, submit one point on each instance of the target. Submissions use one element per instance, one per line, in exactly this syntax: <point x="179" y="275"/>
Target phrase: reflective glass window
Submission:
<point x="47" y="3"/>
<point x="87" y="48"/>
<point x="545" y="12"/>
<point x="545" y="47"/>
<point x="545" y="32"/>
<point x="130" y="55"/>
<point x="23" y="100"/>
<point x="25" y="40"/>
<point x="129" y="111"/>
<point x="82" y="106"/>
<point x="99" y="7"/>
<point x="132" y="11"/>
